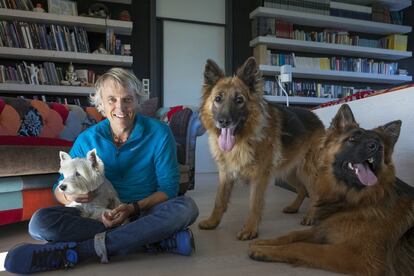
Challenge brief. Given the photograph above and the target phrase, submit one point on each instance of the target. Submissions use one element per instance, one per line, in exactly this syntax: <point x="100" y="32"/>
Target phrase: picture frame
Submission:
<point x="63" y="7"/>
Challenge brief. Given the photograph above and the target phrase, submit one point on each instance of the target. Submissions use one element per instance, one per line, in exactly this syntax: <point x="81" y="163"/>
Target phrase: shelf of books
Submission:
<point x="298" y="100"/>
<point x="394" y="5"/>
<point x="273" y="42"/>
<point x="312" y="73"/>
<point x="64" y="56"/>
<point x="90" y="24"/>
<point x="328" y="21"/>
<point x="46" y="89"/>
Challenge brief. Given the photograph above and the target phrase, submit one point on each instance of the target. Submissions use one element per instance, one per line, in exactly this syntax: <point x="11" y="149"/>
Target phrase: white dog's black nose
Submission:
<point x="62" y="187"/>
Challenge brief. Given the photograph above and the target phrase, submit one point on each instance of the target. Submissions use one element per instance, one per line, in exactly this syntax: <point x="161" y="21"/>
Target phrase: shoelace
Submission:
<point x="50" y="258"/>
<point x="170" y="244"/>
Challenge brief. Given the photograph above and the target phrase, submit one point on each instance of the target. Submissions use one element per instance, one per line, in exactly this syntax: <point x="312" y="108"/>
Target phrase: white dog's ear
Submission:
<point x="64" y="156"/>
<point x="94" y="159"/>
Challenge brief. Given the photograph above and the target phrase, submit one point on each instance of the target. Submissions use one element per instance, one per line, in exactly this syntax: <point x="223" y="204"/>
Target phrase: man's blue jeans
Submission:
<point x="60" y="223"/>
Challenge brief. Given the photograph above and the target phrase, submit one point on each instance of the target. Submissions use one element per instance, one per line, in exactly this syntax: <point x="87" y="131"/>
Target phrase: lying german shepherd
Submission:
<point x="366" y="215"/>
<point x="254" y="141"/>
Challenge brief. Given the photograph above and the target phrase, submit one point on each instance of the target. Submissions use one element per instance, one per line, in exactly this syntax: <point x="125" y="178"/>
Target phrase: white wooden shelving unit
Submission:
<point x="298" y="100"/>
<point x="310" y="73"/>
<point x="90" y="24"/>
<point x="333" y="22"/>
<point x="327" y="21"/>
<point x="46" y="89"/>
<point x="328" y="48"/>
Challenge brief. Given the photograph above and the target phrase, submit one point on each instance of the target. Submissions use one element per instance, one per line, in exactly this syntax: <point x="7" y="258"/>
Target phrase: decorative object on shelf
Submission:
<point x="70" y="76"/>
<point x="38" y="8"/>
<point x="126" y="50"/>
<point x="63" y="7"/>
<point x="82" y="75"/>
<point x="99" y="10"/>
<point x="124" y="16"/>
<point x="33" y="73"/>
<point x="100" y="50"/>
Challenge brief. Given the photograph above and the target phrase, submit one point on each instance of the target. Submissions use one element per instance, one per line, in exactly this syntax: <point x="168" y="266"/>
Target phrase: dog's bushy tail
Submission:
<point x="402" y="256"/>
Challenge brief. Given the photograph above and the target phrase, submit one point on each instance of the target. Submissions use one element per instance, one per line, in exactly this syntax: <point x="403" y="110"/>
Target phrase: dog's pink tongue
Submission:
<point x="227" y="139"/>
<point x="365" y="175"/>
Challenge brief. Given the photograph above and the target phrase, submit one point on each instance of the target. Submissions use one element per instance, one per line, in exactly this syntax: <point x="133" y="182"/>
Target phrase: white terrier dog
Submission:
<point x="83" y="175"/>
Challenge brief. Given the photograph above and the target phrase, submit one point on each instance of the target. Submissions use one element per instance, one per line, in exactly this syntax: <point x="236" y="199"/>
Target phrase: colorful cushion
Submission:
<point x="92" y="111"/>
<point x="32" y="123"/>
<point x="72" y="128"/>
<point x="61" y="109"/>
<point x="9" y="120"/>
<point x="52" y="121"/>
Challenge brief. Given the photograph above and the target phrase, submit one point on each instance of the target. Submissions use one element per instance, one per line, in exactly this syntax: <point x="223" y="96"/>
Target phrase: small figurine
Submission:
<point x="100" y="50"/>
<point x="70" y="77"/>
<point x="33" y="70"/>
<point x="38" y="8"/>
<point x="124" y="15"/>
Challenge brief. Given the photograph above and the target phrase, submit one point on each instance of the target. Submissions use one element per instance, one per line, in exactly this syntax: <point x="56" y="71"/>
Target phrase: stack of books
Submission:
<point x="308" y="6"/>
<point x="381" y="13"/>
<point x="47" y="73"/>
<point x="350" y="10"/>
<point x="311" y="89"/>
<point x="25" y="5"/>
<point x="43" y="36"/>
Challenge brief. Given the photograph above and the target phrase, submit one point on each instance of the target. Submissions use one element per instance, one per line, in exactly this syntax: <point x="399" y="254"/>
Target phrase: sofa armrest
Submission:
<point x="186" y="127"/>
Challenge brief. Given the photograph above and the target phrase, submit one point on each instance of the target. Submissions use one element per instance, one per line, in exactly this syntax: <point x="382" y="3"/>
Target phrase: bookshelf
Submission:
<point x="298" y="100"/>
<point x="327" y="21"/>
<point x="64" y="56"/>
<point x="311" y="73"/>
<point x="300" y="48"/>
<point x="90" y="24"/>
<point x="46" y="89"/>
<point x="328" y="48"/>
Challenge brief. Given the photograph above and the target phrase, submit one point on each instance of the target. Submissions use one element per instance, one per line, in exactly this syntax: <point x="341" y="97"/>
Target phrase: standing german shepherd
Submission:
<point x="254" y="141"/>
<point x="366" y="214"/>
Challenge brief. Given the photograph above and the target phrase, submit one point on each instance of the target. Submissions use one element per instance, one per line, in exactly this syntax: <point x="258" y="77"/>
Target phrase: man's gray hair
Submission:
<point x="123" y="77"/>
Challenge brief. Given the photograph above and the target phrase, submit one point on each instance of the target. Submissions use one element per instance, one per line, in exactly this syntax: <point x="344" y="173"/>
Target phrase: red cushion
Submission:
<point x="2" y="103"/>
<point x="10" y="216"/>
<point x="61" y="109"/>
<point x="33" y="141"/>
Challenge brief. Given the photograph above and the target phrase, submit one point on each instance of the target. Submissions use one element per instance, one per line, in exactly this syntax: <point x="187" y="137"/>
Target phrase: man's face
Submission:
<point x="119" y="105"/>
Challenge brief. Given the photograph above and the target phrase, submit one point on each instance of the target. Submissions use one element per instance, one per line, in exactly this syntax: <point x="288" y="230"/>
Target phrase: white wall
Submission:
<point x="379" y="110"/>
<point x="186" y="48"/>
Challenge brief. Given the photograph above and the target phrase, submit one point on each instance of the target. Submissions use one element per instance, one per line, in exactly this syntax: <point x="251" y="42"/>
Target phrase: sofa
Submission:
<point x="33" y="132"/>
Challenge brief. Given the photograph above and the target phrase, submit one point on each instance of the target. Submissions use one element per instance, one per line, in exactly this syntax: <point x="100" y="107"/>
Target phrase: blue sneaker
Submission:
<point x="180" y="243"/>
<point x="30" y="258"/>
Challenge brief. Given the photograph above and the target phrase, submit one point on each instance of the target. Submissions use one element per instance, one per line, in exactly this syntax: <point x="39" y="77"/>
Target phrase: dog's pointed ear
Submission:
<point x="249" y="73"/>
<point x="343" y="119"/>
<point x="94" y="159"/>
<point x="212" y="73"/>
<point x="392" y="130"/>
<point x="64" y="156"/>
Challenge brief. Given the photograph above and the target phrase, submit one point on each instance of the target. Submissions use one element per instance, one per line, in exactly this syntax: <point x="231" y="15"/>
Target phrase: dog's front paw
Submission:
<point x="245" y="234"/>
<point x="290" y="210"/>
<point x="208" y="224"/>
<point x="307" y="220"/>
<point x="256" y="253"/>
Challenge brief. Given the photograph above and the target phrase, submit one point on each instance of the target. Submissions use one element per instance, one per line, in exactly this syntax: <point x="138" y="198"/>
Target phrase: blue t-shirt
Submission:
<point x="146" y="163"/>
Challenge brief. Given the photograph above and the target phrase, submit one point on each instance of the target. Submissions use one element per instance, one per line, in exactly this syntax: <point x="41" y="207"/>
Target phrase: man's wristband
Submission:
<point x="137" y="209"/>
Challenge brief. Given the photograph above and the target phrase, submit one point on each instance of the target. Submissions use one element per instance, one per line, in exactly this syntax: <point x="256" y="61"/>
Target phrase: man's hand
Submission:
<point x="117" y="216"/>
<point x="80" y="198"/>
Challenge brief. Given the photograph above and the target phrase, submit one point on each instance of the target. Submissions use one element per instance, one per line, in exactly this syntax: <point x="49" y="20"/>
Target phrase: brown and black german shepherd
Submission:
<point x="366" y="214"/>
<point x="255" y="141"/>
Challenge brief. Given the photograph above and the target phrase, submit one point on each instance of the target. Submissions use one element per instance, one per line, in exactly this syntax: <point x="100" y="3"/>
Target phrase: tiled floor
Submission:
<point x="218" y="252"/>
